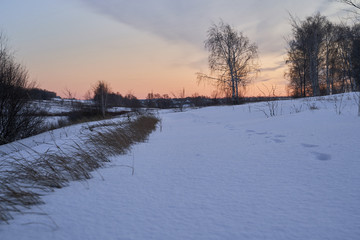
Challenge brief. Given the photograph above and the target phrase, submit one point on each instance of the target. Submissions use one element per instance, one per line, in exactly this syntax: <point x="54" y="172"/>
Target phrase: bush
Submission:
<point x="18" y="119"/>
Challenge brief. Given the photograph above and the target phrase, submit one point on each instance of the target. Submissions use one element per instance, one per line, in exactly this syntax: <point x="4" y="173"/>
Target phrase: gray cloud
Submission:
<point x="265" y="22"/>
<point x="194" y="64"/>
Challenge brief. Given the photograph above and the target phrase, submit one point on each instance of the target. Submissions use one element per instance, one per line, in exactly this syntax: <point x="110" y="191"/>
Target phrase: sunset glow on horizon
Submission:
<point x="143" y="46"/>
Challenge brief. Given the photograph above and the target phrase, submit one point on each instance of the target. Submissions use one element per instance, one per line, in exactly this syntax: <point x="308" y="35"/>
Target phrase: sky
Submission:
<point x="143" y="46"/>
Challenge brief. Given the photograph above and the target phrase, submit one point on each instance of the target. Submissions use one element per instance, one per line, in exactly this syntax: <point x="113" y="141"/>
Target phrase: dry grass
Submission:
<point x="22" y="186"/>
<point x="117" y="140"/>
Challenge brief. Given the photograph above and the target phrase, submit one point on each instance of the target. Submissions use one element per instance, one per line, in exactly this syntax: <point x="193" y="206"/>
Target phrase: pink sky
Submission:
<point x="144" y="46"/>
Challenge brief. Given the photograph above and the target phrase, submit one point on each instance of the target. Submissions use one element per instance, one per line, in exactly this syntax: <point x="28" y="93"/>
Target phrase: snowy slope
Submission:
<point x="220" y="173"/>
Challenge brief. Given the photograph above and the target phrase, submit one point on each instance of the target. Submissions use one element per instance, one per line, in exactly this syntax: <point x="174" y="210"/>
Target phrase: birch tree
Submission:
<point x="306" y="53"/>
<point x="232" y="59"/>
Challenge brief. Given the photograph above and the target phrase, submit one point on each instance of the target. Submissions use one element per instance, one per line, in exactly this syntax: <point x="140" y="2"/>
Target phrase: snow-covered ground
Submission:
<point x="57" y="106"/>
<point x="219" y="173"/>
<point x="63" y="106"/>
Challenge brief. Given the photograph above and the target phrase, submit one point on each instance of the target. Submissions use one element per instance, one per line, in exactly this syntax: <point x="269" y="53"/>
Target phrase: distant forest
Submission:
<point x="40" y="94"/>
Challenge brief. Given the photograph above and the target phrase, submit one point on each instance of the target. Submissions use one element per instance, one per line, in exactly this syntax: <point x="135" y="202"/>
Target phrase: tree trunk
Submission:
<point x="359" y="105"/>
<point x="327" y="71"/>
<point x="102" y="104"/>
<point x="237" y="91"/>
<point x="314" y="76"/>
<point x="233" y="91"/>
<point x="352" y="85"/>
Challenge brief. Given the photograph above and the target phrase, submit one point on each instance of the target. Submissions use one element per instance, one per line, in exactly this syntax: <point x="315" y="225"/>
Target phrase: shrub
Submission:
<point x="18" y="119"/>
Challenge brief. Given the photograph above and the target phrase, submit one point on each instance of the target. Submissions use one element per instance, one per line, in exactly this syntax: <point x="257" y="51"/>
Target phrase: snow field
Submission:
<point x="219" y="173"/>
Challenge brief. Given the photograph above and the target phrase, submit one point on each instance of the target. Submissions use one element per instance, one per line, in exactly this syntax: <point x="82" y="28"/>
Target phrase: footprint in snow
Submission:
<point x="309" y="145"/>
<point x="280" y="136"/>
<point x="230" y="127"/>
<point x="262" y="133"/>
<point x="321" y="156"/>
<point x="276" y="140"/>
<point x="250" y="131"/>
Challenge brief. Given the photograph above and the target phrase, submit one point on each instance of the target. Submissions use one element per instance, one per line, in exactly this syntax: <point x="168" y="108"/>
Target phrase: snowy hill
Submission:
<point x="218" y="173"/>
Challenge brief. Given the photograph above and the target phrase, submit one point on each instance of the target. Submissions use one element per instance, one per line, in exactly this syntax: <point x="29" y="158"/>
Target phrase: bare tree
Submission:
<point x="344" y="47"/>
<point x="356" y="10"/>
<point x="314" y="34"/>
<point x="298" y="65"/>
<point x="101" y="92"/>
<point x="232" y="59"/>
<point x="18" y="118"/>
<point x="311" y="56"/>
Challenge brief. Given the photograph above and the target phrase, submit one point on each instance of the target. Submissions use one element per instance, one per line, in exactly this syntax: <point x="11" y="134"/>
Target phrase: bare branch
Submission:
<point x="353" y="3"/>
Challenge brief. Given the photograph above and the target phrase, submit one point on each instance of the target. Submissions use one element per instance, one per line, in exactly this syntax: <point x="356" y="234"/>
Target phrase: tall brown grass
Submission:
<point x="23" y="184"/>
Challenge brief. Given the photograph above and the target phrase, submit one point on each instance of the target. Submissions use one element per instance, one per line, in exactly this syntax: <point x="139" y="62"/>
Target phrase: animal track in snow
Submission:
<point x="321" y="156"/>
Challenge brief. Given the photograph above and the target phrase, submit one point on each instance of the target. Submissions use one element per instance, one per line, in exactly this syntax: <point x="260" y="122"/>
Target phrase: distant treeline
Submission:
<point x="164" y="102"/>
<point x="40" y="94"/>
<point x="155" y="100"/>
<point x="117" y="100"/>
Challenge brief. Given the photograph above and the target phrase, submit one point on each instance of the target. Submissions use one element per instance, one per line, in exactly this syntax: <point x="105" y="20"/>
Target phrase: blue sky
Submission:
<point x="142" y="46"/>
